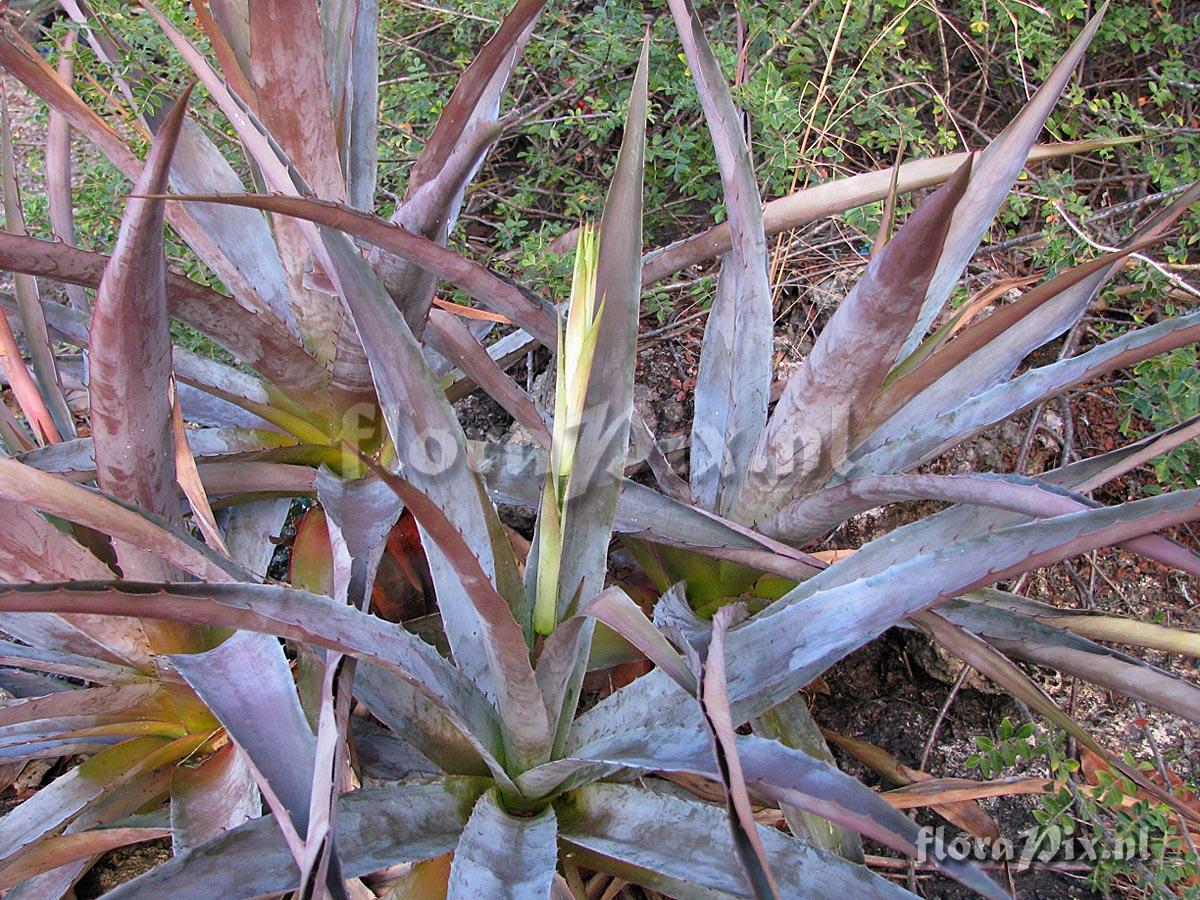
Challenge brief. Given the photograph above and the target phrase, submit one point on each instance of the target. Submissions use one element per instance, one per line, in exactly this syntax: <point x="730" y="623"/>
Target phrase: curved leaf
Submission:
<point x="811" y="516"/>
<point x="248" y="336"/>
<point x="994" y="173"/>
<point x="377" y="827"/>
<point x="889" y="450"/>
<point x="429" y="442"/>
<point x="522" y="714"/>
<point x="672" y="846"/>
<point x="1046" y="644"/>
<point x="130" y="360"/>
<point x="471" y="278"/>
<point x="809" y="204"/>
<point x="85" y="785"/>
<point x="285" y="612"/>
<point x="799" y="636"/>
<point x="465" y="131"/>
<point x="733" y="384"/>
<point x="58" y="497"/>
<point x="211" y="798"/>
<point x="245" y="681"/>
<point x="823" y="404"/>
<point x="504" y="856"/>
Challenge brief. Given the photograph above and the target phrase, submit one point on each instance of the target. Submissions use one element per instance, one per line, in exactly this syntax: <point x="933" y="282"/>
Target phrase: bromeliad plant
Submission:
<point x="484" y="752"/>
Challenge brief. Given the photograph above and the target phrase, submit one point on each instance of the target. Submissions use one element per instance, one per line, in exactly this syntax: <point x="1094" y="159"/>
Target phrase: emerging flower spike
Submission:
<point x="576" y="348"/>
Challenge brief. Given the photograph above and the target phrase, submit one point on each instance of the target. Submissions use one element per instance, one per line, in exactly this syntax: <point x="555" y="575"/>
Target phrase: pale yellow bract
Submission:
<point x="576" y="349"/>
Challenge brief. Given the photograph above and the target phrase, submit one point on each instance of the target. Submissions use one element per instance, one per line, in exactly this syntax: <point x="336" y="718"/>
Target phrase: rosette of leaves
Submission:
<point x="344" y="393"/>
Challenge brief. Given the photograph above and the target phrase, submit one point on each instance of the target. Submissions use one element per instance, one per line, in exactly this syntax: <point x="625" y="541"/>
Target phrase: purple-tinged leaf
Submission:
<point x="188" y="478"/>
<point x="24" y="388"/>
<point x="890" y="451"/>
<point x="522" y="715"/>
<point x="1095" y="626"/>
<point x="58" y="497"/>
<point x="359" y="515"/>
<point x="602" y="438"/>
<point x="28" y="684"/>
<point x="200" y="407"/>
<point x="503" y="856"/>
<point x="714" y="704"/>
<point x="288" y="613"/>
<point x="465" y="131"/>
<point x="451" y="338"/>
<point x="209" y="799"/>
<point x="25" y="287"/>
<point x="92" y="706"/>
<point x="350" y="32"/>
<point x="514" y="476"/>
<point x="66" y="848"/>
<point x="382" y="755"/>
<point x="77" y="459"/>
<point x="650" y="725"/>
<point x="25" y="63"/>
<point x="13" y="433"/>
<point x="816" y="513"/>
<point x="227" y="26"/>
<point x="71" y="665"/>
<point x="406" y="711"/>
<point x="791" y="724"/>
<point x="473" y="279"/>
<point x="317" y="317"/>
<point x="477" y="93"/>
<point x="963" y="521"/>
<point x="1085" y="477"/>
<point x="248" y="261"/>
<point x="246" y="681"/>
<point x="377" y="827"/>
<point x="994" y="665"/>
<point x="234" y="479"/>
<point x="32" y="549"/>
<point x="289" y="77"/>
<point x="130" y="360"/>
<point x="361" y="156"/>
<point x="101" y="638"/>
<point x="613" y="607"/>
<point x="671" y="845"/>
<point x="646" y="446"/>
<point x="1071" y="288"/>
<point x="58" y="169"/>
<point x="430" y="447"/>
<point x="249" y="337"/>
<point x="991" y="179"/>
<point x="137" y="794"/>
<point x="82" y="787"/>
<point x="780" y="774"/>
<point x="799" y="636"/>
<point x="1045" y="644"/>
<point x="823" y="404"/>
<point x="141" y="792"/>
<point x="988" y="352"/>
<point x="809" y="204"/>
<point x="734" y="380"/>
<point x="245" y="259"/>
